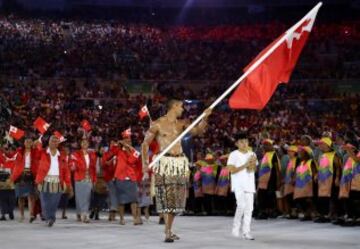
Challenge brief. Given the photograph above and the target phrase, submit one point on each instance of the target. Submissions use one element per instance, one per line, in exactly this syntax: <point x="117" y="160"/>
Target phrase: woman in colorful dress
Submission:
<point x="223" y="186"/>
<point x="305" y="176"/>
<point x="349" y="193"/>
<point x="208" y="181"/>
<point x="328" y="181"/>
<point x="269" y="181"/>
<point x="289" y="182"/>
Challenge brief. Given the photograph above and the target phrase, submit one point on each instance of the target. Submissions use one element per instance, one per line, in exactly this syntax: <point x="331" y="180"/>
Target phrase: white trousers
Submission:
<point x="243" y="214"/>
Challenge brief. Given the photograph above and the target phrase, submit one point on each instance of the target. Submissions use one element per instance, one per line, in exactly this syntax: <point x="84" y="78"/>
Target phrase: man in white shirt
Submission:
<point x="242" y="164"/>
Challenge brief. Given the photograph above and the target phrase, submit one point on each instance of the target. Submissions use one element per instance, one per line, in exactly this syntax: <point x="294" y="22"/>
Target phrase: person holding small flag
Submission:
<point x="52" y="179"/>
<point x="125" y="176"/>
<point x="108" y="164"/>
<point x="23" y="175"/>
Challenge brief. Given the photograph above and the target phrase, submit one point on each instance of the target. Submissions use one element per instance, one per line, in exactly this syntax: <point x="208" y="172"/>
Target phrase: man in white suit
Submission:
<point x="242" y="165"/>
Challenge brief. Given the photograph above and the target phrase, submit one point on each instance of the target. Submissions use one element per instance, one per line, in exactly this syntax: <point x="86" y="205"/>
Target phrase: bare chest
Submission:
<point x="169" y="130"/>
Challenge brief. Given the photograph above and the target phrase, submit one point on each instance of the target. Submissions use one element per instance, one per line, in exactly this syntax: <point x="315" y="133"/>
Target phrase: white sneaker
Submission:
<point x="247" y="236"/>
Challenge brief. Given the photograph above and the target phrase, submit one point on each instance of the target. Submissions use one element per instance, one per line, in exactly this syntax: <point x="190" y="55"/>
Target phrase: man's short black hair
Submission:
<point x="241" y="136"/>
<point x="171" y="103"/>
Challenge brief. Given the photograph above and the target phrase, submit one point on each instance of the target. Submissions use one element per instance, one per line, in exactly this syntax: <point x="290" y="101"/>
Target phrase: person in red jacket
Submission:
<point x="125" y="178"/>
<point x="52" y="178"/>
<point x="66" y="196"/>
<point x="108" y="164"/>
<point x="7" y="193"/>
<point x="23" y="175"/>
<point x="83" y="163"/>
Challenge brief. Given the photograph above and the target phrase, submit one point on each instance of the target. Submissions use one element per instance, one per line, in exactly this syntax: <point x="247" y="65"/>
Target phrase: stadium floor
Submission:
<point x="195" y="232"/>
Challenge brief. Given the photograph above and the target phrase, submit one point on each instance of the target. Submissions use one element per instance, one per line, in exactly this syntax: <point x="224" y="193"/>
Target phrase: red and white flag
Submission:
<point x="16" y="133"/>
<point x="126" y="133"/>
<point x="136" y="154"/>
<point x="144" y="111"/>
<point x="280" y="59"/>
<point x="41" y="125"/>
<point x="59" y="136"/>
<point x="86" y="125"/>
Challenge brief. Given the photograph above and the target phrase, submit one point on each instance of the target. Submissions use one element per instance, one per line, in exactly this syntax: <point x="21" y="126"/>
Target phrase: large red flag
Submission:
<point x="258" y="87"/>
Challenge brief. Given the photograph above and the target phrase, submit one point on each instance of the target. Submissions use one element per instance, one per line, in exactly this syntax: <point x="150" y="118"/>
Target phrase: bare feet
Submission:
<point x="168" y="236"/>
<point x="112" y="215"/>
<point x="32" y="218"/>
<point x="138" y="221"/>
<point x="174" y="236"/>
<point x="85" y="219"/>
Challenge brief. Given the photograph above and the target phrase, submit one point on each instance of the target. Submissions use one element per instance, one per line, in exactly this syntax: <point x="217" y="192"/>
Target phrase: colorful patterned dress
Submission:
<point x="326" y="172"/>
<point x="289" y="176"/>
<point x="265" y="170"/>
<point x="303" y="180"/>
<point x="223" y="184"/>
<point x="346" y="178"/>
<point x="208" y="177"/>
<point x="197" y="181"/>
<point x="355" y="181"/>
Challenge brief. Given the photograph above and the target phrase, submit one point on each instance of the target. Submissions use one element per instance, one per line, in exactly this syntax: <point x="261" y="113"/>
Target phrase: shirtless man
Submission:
<point x="171" y="172"/>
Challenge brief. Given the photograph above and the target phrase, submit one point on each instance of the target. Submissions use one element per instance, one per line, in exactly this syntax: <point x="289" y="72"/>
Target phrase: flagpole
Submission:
<point x="236" y="83"/>
<point x="149" y="116"/>
<point x="148" y="113"/>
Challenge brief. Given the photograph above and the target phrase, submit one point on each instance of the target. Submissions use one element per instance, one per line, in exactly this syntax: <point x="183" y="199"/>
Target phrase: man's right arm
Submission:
<point x="149" y="137"/>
